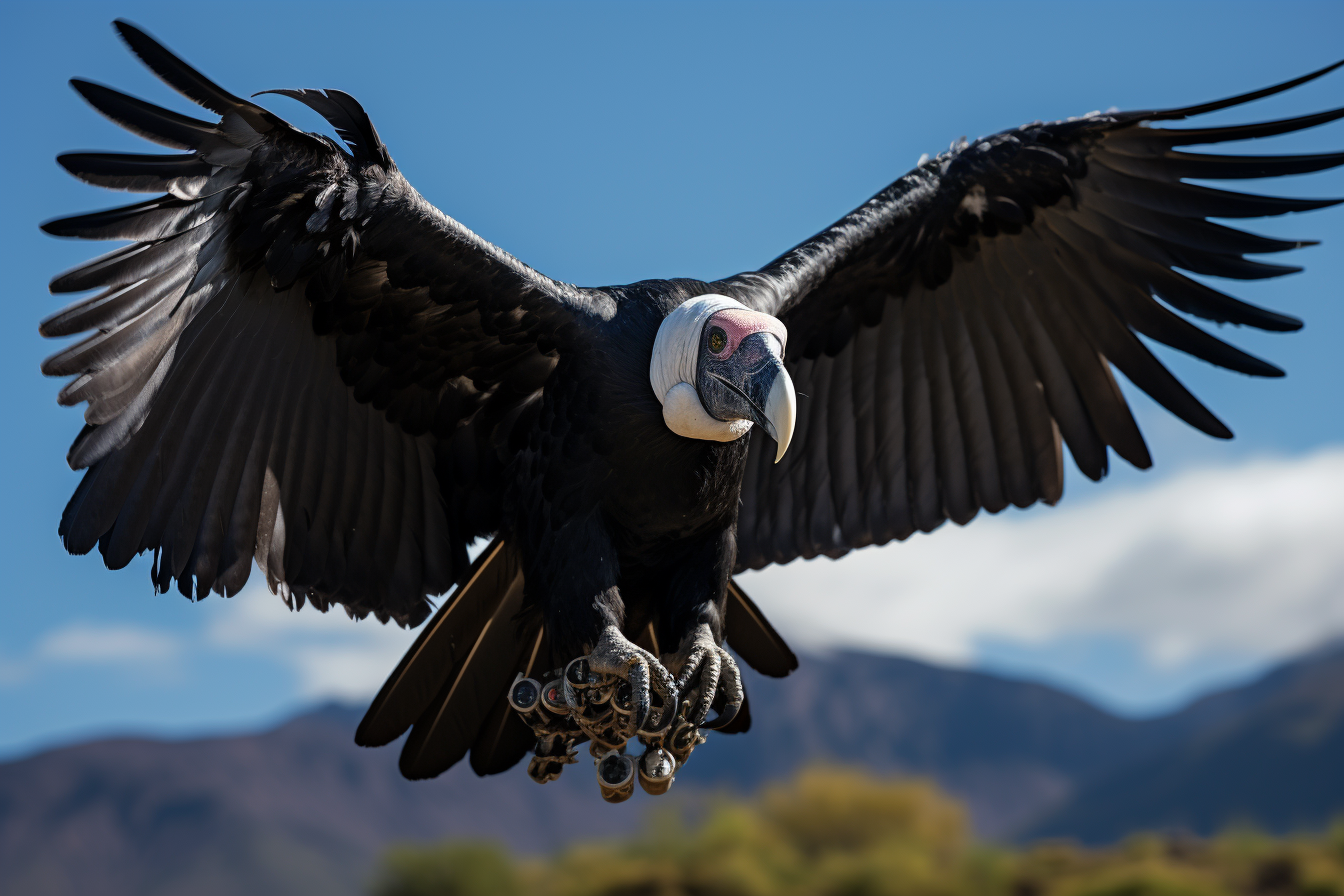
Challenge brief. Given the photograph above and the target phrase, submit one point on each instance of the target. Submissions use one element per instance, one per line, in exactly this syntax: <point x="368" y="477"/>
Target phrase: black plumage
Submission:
<point x="1028" y="261"/>
<point x="299" y="362"/>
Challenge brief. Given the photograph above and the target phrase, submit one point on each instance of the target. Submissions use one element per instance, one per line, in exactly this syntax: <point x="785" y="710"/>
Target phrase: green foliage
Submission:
<point x="455" y="869"/>
<point x="836" y="832"/>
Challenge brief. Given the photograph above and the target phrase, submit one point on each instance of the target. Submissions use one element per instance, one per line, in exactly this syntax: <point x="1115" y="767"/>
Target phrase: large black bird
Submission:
<point x="298" y="360"/>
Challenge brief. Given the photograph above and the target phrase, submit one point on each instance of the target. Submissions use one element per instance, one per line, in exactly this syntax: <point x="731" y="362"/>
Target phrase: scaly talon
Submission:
<point x="617" y="692"/>
<point x="616" y="656"/>
<point x="734" y="694"/>
<point x="704" y="668"/>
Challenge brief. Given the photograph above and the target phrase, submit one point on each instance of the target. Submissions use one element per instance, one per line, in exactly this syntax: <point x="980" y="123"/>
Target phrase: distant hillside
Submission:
<point x="1008" y="748"/>
<point x="1271" y="753"/>
<point x="300" y="809"/>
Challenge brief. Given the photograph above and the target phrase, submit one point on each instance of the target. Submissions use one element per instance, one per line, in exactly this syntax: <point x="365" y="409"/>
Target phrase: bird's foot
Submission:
<point x="614" y="694"/>
<point x="704" y="669"/>
<point x="619" y="690"/>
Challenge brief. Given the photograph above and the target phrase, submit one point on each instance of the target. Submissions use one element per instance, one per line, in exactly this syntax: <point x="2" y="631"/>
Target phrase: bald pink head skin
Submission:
<point x="739" y="323"/>
<point x="718" y="370"/>
<point x="746" y="378"/>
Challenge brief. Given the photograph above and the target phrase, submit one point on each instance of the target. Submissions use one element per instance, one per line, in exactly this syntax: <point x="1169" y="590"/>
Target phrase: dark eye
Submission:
<point x="718" y="340"/>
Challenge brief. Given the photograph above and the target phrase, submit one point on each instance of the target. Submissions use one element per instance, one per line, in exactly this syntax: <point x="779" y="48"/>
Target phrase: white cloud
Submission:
<point x="331" y="655"/>
<point x="1246" y="560"/>
<point x="125" y="648"/>
<point x="122" y="645"/>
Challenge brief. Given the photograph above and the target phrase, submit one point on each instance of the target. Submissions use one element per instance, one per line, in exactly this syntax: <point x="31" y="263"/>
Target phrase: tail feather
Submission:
<point x="504" y="739"/>
<point x="753" y="638"/>
<point x="441" y="649"/>
<point x="451" y="687"/>
<point x="449" y="726"/>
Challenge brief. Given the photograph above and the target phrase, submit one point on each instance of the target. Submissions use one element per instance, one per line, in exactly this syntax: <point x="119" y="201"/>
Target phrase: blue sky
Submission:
<point x="607" y="143"/>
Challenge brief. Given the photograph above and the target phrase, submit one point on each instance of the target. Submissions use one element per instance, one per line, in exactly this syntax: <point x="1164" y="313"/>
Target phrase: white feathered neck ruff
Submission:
<point x="676" y="356"/>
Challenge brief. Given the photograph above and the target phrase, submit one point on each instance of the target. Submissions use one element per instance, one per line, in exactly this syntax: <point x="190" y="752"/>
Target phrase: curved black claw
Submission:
<point x="615" y="655"/>
<point x="731" y="707"/>
<point x="705" y="668"/>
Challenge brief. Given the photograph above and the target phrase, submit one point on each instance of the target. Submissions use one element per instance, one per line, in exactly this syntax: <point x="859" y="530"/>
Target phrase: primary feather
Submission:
<point x="1021" y="269"/>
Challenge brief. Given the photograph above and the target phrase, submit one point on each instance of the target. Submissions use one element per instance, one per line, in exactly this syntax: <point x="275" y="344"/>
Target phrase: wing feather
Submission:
<point x="968" y="390"/>
<point x="181" y="175"/>
<point x="1061" y="393"/>
<point x="922" y="484"/>
<point x="274" y="362"/>
<point x="845" y="495"/>
<point x="866" y="422"/>
<point x="980" y="306"/>
<point x="892" y="462"/>
<point x="1042" y="438"/>
<point x="1065" y="306"/>
<point x="953" y="473"/>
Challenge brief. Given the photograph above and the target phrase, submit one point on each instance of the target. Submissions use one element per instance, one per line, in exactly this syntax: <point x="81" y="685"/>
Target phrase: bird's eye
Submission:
<point x="718" y="340"/>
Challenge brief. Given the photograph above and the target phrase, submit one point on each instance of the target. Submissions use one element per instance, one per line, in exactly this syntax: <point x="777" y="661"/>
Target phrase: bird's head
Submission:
<point x="718" y="368"/>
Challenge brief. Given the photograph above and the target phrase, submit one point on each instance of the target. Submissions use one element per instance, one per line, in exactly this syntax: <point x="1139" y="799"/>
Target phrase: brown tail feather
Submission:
<point x="450" y="724"/>
<point x="753" y="638"/>
<point x="452" y="683"/>
<point x="441" y="648"/>
<point x="504" y="739"/>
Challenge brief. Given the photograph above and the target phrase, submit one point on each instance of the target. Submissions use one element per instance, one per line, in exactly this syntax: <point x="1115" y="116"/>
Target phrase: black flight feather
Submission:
<point x="347" y="116"/>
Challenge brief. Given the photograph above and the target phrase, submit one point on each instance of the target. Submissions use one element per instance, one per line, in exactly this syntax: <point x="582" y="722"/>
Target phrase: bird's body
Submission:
<point x="598" y="408"/>
<point x="299" y="361"/>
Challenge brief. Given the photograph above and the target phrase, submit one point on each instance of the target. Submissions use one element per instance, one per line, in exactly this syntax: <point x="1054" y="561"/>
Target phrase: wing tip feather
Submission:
<point x="1242" y="98"/>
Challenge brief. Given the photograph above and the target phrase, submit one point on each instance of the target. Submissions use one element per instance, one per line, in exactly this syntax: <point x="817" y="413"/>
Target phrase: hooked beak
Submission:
<point x="768" y="396"/>
<point x="781" y="410"/>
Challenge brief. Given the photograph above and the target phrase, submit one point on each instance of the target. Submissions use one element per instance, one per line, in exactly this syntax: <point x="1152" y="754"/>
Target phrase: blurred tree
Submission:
<point x="455" y="869"/>
<point x="838" y="832"/>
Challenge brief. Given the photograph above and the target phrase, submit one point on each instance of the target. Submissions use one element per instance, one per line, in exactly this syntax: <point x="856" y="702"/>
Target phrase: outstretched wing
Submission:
<point x="297" y="358"/>
<point x="950" y="331"/>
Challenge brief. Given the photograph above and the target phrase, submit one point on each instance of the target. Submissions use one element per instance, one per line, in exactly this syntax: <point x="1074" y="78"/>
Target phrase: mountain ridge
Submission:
<point x="299" y="808"/>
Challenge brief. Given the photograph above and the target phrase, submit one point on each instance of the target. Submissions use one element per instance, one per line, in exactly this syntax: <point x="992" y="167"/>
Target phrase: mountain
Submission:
<point x="300" y="809"/>
<point x="1008" y="748"/>
<point x="1270" y="753"/>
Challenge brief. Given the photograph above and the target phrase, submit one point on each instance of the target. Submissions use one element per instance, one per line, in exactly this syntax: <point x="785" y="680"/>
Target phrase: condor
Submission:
<point x="298" y="361"/>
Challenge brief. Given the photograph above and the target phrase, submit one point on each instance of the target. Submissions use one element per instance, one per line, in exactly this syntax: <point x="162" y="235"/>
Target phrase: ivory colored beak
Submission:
<point x="781" y="410"/>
